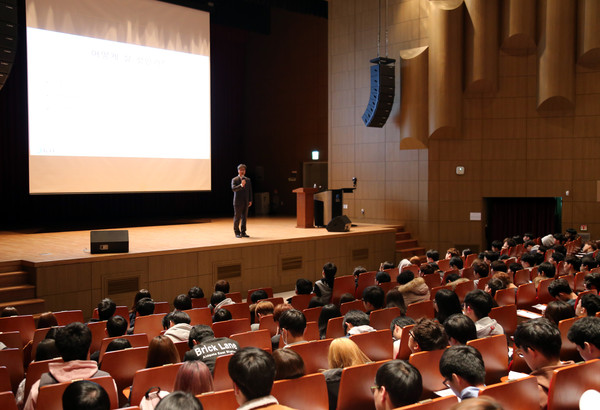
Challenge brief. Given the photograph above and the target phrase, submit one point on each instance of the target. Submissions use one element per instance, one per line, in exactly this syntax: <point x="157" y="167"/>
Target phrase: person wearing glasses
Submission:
<point x="397" y="383"/>
<point x="463" y="371"/>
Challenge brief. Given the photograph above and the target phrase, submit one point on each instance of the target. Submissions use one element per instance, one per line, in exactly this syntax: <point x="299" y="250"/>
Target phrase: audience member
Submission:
<point x="558" y="310"/>
<point x="329" y="311"/>
<point x="463" y="371"/>
<point x="373" y="298"/>
<point x="222" y="286"/>
<point x="393" y="298"/>
<point x="356" y="322"/>
<point x="194" y="377"/>
<point x="588" y="305"/>
<point x="206" y="347"/>
<point x="179" y="400"/>
<point x="277" y="312"/>
<point x="219" y="299"/>
<point x="221" y="315"/>
<point x="382" y="277"/>
<point x="493" y="286"/>
<point x="560" y="290"/>
<point x="116" y="326"/>
<point x="195" y="292"/>
<point x="356" y="273"/>
<point x="288" y="364"/>
<point x="144" y="307"/>
<point x="324" y="287"/>
<point x="292" y="324"/>
<point x="396" y="327"/>
<point x="386" y="265"/>
<point x="258" y="295"/>
<point x="9" y="311"/>
<point x="480" y="270"/>
<point x="179" y="327"/>
<point x="591" y="281"/>
<point x="432" y="255"/>
<point x="427" y="335"/>
<point x="161" y="351"/>
<point x="85" y="395"/>
<point x="460" y="329"/>
<point x="416" y="290"/>
<point x="46" y="350"/>
<point x="585" y="333"/>
<point x="141" y="294"/>
<point x="397" y="383"/>
<point x="46" y="320"/>
<point x="262" y="309"/>
<point x="477" y="306"/>
<point x="182" y="302"/>
<point x="106" y="308"/>
<point x="572" y="265"/>
<point x="546" y="270"/>
<point x="498" y="266"/>
<point x="446" y="303"/>
<point x="456" y="262"/>
<point x="346" y="297"/>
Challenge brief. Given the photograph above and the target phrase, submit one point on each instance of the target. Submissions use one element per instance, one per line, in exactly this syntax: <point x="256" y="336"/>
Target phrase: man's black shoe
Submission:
<point x="238" y="235"/>
<point x="245" y="235"/>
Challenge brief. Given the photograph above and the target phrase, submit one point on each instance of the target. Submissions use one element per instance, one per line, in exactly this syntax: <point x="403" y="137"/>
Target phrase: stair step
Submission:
<point x="15" y="293"/>
<point x="10" y="266"/>
<point x="407" y="244"/>
<point x="26" y="306"/>
<point x="403" y="235"/>
<point x="15" y="278"/>
<point x="408" y="252"/>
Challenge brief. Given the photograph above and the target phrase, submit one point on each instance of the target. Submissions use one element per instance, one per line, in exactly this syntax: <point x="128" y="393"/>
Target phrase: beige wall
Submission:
<point x="508" y="148"/>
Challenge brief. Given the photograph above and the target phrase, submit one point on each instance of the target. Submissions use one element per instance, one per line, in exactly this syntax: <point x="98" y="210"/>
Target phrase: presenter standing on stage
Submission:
<point x="242" y="199"/>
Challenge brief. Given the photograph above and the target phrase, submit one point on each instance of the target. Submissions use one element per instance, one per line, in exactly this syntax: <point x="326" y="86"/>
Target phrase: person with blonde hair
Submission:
<point x="343" y="352"/>
<point x="161" y="351"/>
<point x="262" y="308"/>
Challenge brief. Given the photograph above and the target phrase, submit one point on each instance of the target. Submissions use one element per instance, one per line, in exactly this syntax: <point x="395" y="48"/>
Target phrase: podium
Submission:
<point x="305" y="209"/>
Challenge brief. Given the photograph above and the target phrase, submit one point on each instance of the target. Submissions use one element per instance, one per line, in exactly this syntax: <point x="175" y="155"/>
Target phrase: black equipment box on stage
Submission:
<point x="109" y="241"/>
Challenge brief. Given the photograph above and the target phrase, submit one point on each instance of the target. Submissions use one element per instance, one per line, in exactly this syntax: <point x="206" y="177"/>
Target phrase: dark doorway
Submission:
<point x="507" y="217"/>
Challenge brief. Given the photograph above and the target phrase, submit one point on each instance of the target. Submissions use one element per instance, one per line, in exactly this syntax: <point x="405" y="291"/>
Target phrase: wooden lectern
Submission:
<point x="305" y="207"/>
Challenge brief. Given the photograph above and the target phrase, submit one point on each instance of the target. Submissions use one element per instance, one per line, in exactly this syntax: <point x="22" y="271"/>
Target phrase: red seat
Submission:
<point x="122" y="365"/>
<point x="568" y="349"/>
<point x="199" y="316"/>
<point x="23" y="324"/>
<point x="38" y="336"/>
<point x="235" y="296"/>
<point x="13" y="360"/>
<point x="482" y="282"/>
<point x="354" y="305"/>
<point x="314" y="354"/>
<point x="198" y="303"/>
<point x="494" y="351"/>
<point x="161" y="376"/>
<point x="34" y="372"/>
<point x="381" y="318"/>
<point x="365" y="280"/>
<point x="65" y="317"/>
<point x="421" y="309"/>
<point x="341" y="285"/>
<point x="428" y="365"/>
<point x="229" y="327"/>
<point x="568" y="384"/>
<point x="219" y="400"/>
<point x="50" y="396"/>
<point x="307" y="392"/>
<point x="275" y="301"/>
<point x="221" y="379"/>
<point x="122" y="311"/>
<point x="5" y="384"/>
<point x="12" y="339"/>
<point x="543" y="296"/>
<point x="182" y="348"/>
<point x="300" y="302"/>
<point x="269" y="292"/>
<point x="433" y="280"/>
<point x="505" y="297"/>
<point x="404" y="351"/>
<point x="312" y="314"/>
<point x="463" y="288"/>
<point x="161" y="308"/>
<point x="507" y="317"/>
<point x="335" y="328"/>
<point x="444" y="264"/>
<point x="467" y="273"/>
<point x="526" y="296"/>
<point x="520" y="394"/>
<point x="580" y="281"/>
<point x="7" y="401"/>
<point x="239" y="310"/>
<point x="470" y="259"/>
<point x="376" y="345"/>
<point x="98" y="330"/>
<point x="140" y="340"/>
<point x="441" y="403"/>
<point x="151" y="325"/>
<point x="258" y="338"/>
<point x="311" y="332"/>
<point x="355" y="387"/>
<point x="267" y="322"/>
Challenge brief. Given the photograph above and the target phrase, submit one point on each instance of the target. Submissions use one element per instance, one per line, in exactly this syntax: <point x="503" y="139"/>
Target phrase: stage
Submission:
<point x="169" y="259"/>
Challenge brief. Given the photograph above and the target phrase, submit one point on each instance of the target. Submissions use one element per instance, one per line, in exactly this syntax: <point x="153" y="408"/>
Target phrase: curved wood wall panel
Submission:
<point x="556" y="55"/>
<point x="481" y="46"/>
<point x="588" y="35"/>
<point x="414" y="106"/>
<point x="445" y="68"/>
<point x="518" y="26"/>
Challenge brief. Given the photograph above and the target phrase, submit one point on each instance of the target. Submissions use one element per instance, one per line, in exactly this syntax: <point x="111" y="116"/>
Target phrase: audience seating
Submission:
<point x="435" y="290"/>
<point x="162" y="376"/>
<point x="312" y="314"/>
<point x="258" y="338"/>
<point x="568" y="384"/>
<point x="122" y="365"/>
<point x="421" y="309"/>
<point x="441" y="403"/>
<point x="433" y="280"/>
<point x="355" y="387"/>
<point x="381" y="318"/>
<point x="518" y="364"/>
<point x="335" y="328"/>
<point x="50" y="397"/>
<point x="13" y="360"/>
<point x="5" y="384"/>
<point x="543" y="296"/>
<point x="219" y="400"/>
<point x="568" y="349"/>
<point x="269" y="292"/>
<point x="139" y="340"/>
<point x="122" y="311"/>
<point x="7" y="401"/>
<point x="387" y="286"/>
<point x="404" y="351"/>
<point x="520" y="394"/>
<point x="12" y="339"/>
<point x="585" y="292"/>
<point x="38" y="336"/>
<point x="505" y="297"/>
<point x="98" y="330"/>
<point x="444" y="265"/>
<point x="494" y="351"/>
<point x="239" y="310"/>
<point x="314" y="354"/>
<point x="182" y="348"/>
<point x="23" y="324"/>
<point x="235" y="296"/>
<point x="470" y="259"/>
<point x="161" y="308"/>
<point x="229" y="327"/>
<point x="64" y="317"/>
<point x="307" y="392"/>
<point x="447" y="273"/>
<point x="507" y="317"/>
<point x="354" y="305"/>
<point x="267" y="322"/>
<point x="275" y="301"/>
<point x="463" y="288"/>
<point x="526" y="296"/>
<point x="413" y="268"/>
<point x="199" y="316"/>
<point x="300" y="302"/>
<point x="221" y="379"/>
<point x="482" y="282"/>
<point x="579" y="281"/>
<point x="198" y="303"/>
<point x="341" y="285"/>
<point x="468" y="273"/>
<point x="428" y="365"/>
<point x="570" y="279"/>
<point x="311" y="332"/>
<point x="376" y="345"/>
<point x="533" y="273"/>
<point x="151" y="325"/>
<point x="521" y="277"/>
<point x="34" y="372"/>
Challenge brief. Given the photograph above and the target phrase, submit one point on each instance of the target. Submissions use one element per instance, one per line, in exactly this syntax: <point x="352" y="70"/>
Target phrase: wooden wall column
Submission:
<point x="518" y="26"/>
<point x="588" y="33"/>
<point x="481" y="46"/>
<point x="414" y="105"/>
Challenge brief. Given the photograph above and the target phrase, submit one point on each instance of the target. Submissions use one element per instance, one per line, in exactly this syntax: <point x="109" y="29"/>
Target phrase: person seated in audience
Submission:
<point x="508" y="243"/>
<point x="498" y="266"/>
<point x="194" y="377"/>
<point x="548" y="241"/>
<point x="432" y="255"/>
<point x="556" y="257"/>
<point x="288" y="364"/>
<point x="85" y="394"/>
<point x="218" y="299"/>
<point x="454" y="279"/>
<point x="480" y="270"/>
<point x="528" y="236"/>
<point x="329" y="311"/>
<point x="179" y="327"/>
<point x="463" y="371"/>
<point x="589" y="305"/>
<point x="560" y="290"/>
<point x="459" y="329"/>
<point x="263" y="308"/>
<point x="73" y="343"/>
<point x="538" y="342"/>
<point x="222" y="286"/>
<point x="393" y="298"/>
<point x="356" y="273"/>
<point x="477" y="306"/>
<point x="528" y="261"/>
<point x="182" y="302"/>
<point x="292" y="324"/>
<point x="252" y="371"/>
<point x="195" y="292"/>
<point x="585" y="333"/>
<point x="466" y="252"/>
<point x="258" y="295"/>
<point x="404" y="263"/>
<point x="558" y="310"/>
<point x="382" y="277"/>
<point x="106" y="308"/>
<point x="456" y="262"/>
<point x="46" y="350"/>
<point x="303" y="287"/>
<point x="446" y="303"/>
<point x="114" y="345"/>
<point x="206" y="347"/>
<point x="161" y="351"/>
<point x="591" y="281"/>
<point x="342" y="353"/>
<point x="116" y="326"/>
<point x="424" y="269"/>
<point x="277" y="312"/>
<point x="346" y="297"/>
<point x="144" y="307"/>
<point x="373" y="298"/>
<point x="397" y="383"/>
<point x="572" y="265"/>
<point x="9" y="311"/>
<point x="221" y="315"/>
<point x="588" y="263"/>
<point x="490" y="256"/>
<point x="415" y="260"/>
<point x="506" y="278"/>
<point x="413" y="289"/>
<point x="493" y="286"/>
<point x="386" y="265"/>
<point x="324" y="287"/>
<point x="451" y="252"/>
<point x="46" y="320"/>
<point x="496" y="245"/>
<point x="546" y="270"/>
<point x="396" y="326"/>
<point x="427" y="335"/>
<point x="179" y="400"/>
<point x="356" y="322"/>
<point x="513" y="268"/>
<point x="141" y="294"/>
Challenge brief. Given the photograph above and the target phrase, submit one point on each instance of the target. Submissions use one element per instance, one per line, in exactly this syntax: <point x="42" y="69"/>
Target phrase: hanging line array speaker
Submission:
<point x="8" y="37"/>
<point x="382" y="92"/>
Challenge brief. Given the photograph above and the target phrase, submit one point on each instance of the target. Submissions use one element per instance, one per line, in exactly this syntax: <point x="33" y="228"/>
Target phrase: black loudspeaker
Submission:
<point x="382" y="92"/>
<point x="8" y="37"/>
<point x="339" y="224"/>
<point x="109" y="241"/>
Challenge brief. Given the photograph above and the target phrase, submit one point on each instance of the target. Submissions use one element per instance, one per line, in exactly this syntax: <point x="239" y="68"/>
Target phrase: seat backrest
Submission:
<point x="24" y="324"/>
<point x="269" y="292"/>
<point x="182" y="348"/>
<point x="520" y="394"/>
<point x="311" y="332"/>
<point x="122" y="311"/>
<point x="50" y="396"/>
<point x="12" y="339"/>
<point x="199" y="316"/>
<point x="353" y="305"/>
<point x="494" y="351"/>
<point x="444" y="264"/>
<point x="404" y="351"/>
<point x="482" y="282"/>
<point x="507" y="317"/>
<point x="568" y="349"/>
<point x="381" y="318"/>
<point x="122" y="365"/>
<point x="161" y="308"/>
<point x="314" y="354"/>
<point x="235" y="296"/>
<point x="64" y="317"/>
<point x="278" y="300"/>
<point x="433" y="280"/>
<point x="413" y="268"/>
<point x="198" y="303"/>
<point x="219" y="400"/>
<point x="428" y="365"/>
<point x="239" y="310"/>
<point x="13" y="360"/>
<point x="335" y="328"/>
<point x="580" y="281"/>
<point x="228" y="327"/>
<point x="543" y="296"/>
<point x="441" y="403"/>
<point x="306" y="392"/>
<point x="5" y="384"/>
<point x="38" y="336"/>
<point x="221" y="379"/>
<point x="98" y="330"/>
<point x="376" y="345"/>
<point x="505" y="297"/>
<point x="34" y="372"/>
<point x="526" y="296"/>
<point x="568" y="384"/>
<point x="463" y="288"/>
<point x="161" y="376"/>
<point x="447" y="273"/>
<point x="341" y="285"/>
<point x="300" y="302"/>
<point x="151" y="325"/>
<point x="7" y="401"/>
<point x="312" y="314"/>
<point x="267" y="323"/>
<point x="421" y="309"/>
<point x="470" y="259"/>
<point x="365" y="280"/>
<point x="468" y="273"/>
<point x="257" y="338"/>
<point x="136" y="340"/>
<point x="355" y="387"/>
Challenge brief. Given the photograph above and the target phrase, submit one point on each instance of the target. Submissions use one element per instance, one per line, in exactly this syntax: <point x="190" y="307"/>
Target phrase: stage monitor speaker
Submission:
<point x="8" y="37"/>
<point x="382" y="92"/>
<point x="109" y="241"/>
<point x="339" y="224"/>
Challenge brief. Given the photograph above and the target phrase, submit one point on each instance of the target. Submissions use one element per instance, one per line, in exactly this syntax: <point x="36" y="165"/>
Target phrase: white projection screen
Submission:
<point x="119" y="96"/>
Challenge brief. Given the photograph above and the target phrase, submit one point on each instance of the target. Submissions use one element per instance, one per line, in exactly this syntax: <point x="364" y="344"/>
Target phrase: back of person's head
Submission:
<point x="586" y="329"/>
<point x="528" y="258"/>
<point x="491" y="256"/>
<point x="46" y="320"/>
<point x="106" y="308"/>
<point x="195" y="292"/>
<point x="199" y="333"/>
<point x="497" y="244"/>
<point x="382" y="277"/>
<point x="288" y="364"/>
<point x="504" y="277"/>
<point x="73" y="341"/>
<point x="179" y="400"/>
<point x="464" y="361"/>
<point x="253" y="372"/>
<point x="217" y="297"/>
<point x="573" y="261"/>
<point x="591" y="303"/>
<point x="222" y="286"/>
<point x="329" y="269"/>
<point x="358" y="270"/>
<point x="592" y="281"/>
<point x="264" y="308"/>
<point x="394" y="298"/>
<point x="494" y="285"/>
<point x="558" y="256"/>
<point x="355" y="318"/>
<point x="402" y="382"/>
<point x="425" y="269"/>
<point x="452" y="277"/>
<point x="540" y="335"/>
<point x="347" y="297"/>
<point x="447" y="304"/>
<point x="145" y="307"/>
<point x="558" y="286"/>
<point x="558" y="310"/>
<point x="387" y="265"/>
<point x="515" y="267"/>
<point x="293" y="321"/>
<point x="456" y="262"/>
<point x="344" y="352"/>
<point x="481" y="268"/>
<point x="329" y="311"/>
<point x="304" y="286"/>
<point x="481" y="302"/>
<point x="116" y="326"/>
<point x="182" y="302"/>
<point x="85" y="395"/>
<point x="498" y="266"/>
<point x="401" y="321"/>
<point x="404" y="277"/>
<point x="194" y="377"/>
<point x="46" y="350"/>
<point x="221" y="315"/>
<point x="429" y="335"/>
<point x="547" y="269"/>
<point x="161" y="351"/>
<point x="118" y="344"/>
<point x="178" y="317"/>
<point x="9" y="311"/>
<point x="375" y="296"/>
<point x="433" y="254"/>
<point x="589" y="262"/>
<point x="460" y="328"/>
<point x="166" y="320"/>
<point x="258" y="294"/>
<point x="478" y="403"/>
<point x="141" y="294"/>
<point x="279" y="309"/>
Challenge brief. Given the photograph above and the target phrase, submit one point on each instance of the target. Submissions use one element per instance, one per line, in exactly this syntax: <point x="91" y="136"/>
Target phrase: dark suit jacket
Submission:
<point x="241" y="195"/>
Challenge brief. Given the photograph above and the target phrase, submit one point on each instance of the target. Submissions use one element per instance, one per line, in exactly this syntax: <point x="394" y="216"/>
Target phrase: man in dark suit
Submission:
<point x="242" y="199"/>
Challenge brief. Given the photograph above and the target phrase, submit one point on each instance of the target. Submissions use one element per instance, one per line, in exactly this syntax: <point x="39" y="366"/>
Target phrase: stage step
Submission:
<point x="407" y="246"/>
<point x="16" y="289"/>
<point x="11" y="293"/>
<point x="400" y="236"/>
